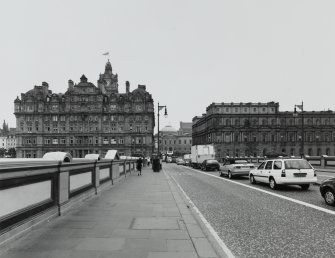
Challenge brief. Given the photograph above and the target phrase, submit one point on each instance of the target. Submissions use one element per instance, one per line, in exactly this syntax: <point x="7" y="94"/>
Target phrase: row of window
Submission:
<point x="175" y="141"/>
<point x="264" y="137"/>
<point x="264" y="122"/>
<point x="291" y="152"/>
<point x="106" y="129"/>
<point x="86" y="140"/>
<point x="177" y="149"/>
<point x="62" y="118"/>
<point x="244" y="109"/>
<point x="82" y="106"/>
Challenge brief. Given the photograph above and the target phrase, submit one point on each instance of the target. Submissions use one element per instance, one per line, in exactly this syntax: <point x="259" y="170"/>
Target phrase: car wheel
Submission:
<point x="272" y="183"/>
<point x="252" y="179"/>
<point x="305" y="187"/>
<point x="220" y="173"/>
<point x="230" y="176"/>
<point x="329" y="197"/>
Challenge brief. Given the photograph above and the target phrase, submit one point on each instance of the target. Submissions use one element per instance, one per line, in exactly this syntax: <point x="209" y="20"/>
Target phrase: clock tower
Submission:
<point x="108" y="82"/>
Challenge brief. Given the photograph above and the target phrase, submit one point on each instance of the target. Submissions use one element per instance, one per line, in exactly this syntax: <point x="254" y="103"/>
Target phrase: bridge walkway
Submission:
<point x="141" y="216"/>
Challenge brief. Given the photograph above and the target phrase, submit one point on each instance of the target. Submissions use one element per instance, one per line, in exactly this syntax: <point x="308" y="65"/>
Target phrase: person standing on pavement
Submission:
<point x="139" y="166"/>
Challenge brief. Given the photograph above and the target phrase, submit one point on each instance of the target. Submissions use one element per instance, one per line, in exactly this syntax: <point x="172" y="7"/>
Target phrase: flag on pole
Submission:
<point x="299" y="106"/>
<point x="106" y="54"/>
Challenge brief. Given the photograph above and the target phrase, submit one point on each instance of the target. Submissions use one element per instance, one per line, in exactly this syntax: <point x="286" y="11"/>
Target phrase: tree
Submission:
<point x="2" y="152"/>
<point x="11" y="152"/>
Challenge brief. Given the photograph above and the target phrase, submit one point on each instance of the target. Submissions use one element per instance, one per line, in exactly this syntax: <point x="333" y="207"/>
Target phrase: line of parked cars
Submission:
<point x="277" y="171"/>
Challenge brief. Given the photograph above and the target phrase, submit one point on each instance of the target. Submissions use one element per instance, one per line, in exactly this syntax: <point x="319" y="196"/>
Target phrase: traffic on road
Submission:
<point x="254" y="220"/>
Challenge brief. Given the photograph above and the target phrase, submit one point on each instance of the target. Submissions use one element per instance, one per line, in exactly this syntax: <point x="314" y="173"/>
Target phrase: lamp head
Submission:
<point x="165" y="113"/>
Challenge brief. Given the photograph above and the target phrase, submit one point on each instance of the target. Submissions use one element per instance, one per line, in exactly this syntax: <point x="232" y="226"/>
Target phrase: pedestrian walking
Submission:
<point x="139" y="166"/>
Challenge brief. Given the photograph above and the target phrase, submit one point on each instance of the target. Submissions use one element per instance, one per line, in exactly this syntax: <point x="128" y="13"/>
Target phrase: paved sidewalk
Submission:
<point x="141" y="216"/>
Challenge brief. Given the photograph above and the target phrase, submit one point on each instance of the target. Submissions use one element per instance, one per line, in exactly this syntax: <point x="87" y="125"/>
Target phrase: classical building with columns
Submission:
<point x="178" y="141"/>
<point x="85" y="119"/>
<point x="256" y="129"/>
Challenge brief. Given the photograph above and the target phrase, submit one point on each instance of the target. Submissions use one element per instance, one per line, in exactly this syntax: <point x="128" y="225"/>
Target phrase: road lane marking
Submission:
<point x="326" y="176"/>
<point x="270" y="193"/>
<point x="225" y="249"/>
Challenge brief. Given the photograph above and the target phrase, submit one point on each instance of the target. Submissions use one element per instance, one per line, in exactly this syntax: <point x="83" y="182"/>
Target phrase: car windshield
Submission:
<point x="211" y="161"/>
<point x="297" y="164"/>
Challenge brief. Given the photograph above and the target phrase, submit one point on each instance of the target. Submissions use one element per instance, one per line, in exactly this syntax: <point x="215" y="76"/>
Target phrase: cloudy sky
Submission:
<point x="189" y="53"/>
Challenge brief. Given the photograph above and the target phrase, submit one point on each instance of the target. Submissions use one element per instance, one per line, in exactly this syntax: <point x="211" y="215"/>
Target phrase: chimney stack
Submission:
<point x="70" y="83"/>
<point x="127" y="86"/>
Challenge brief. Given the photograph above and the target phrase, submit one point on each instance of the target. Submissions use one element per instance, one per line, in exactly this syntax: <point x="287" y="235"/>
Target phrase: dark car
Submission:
<point x="327" y="190"/>
<point x="210" y="164"/>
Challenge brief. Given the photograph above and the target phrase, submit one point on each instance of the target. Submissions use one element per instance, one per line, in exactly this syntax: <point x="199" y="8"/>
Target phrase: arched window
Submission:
<point x="227" y="121"/>
<point x="237" y="122"/>
<point x="264" y="122"/>
<point x="326" y="121"/>
<point x="291" y="122"/>
<point x="309" y="122"/>
<point x="282" y="122"/>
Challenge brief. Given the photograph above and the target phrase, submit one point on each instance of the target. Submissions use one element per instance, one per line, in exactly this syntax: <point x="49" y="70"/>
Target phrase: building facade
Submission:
<point x="257" y="129"/>
<point x="7" y="137"/>
<point x="178" y="141"/>
<point x="11" y="139"/>
<point x="85" y="119"/>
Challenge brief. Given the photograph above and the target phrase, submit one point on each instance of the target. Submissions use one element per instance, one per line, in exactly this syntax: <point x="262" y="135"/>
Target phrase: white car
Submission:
<point x="235" y="167"/>
<point x="284" y="171"/>
<point x="180" y="161"/>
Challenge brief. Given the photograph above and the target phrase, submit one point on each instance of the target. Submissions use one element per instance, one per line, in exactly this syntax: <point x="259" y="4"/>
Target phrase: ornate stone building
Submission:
<point x="85" y="119"/>
<point x="178" y="141"/>
<point x="7" y="137"/>
<point x="256" y="129"/>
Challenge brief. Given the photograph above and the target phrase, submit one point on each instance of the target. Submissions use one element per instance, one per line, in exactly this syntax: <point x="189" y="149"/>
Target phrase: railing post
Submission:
<point x="323" y="161"/>
<point x="111" y="172"/>
<point x="96" y="176"/>
<point x="63" y="188"/>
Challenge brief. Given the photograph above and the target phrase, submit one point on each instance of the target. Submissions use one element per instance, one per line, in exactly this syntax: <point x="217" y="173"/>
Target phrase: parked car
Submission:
<point x="284" y="171"/>
<point x="327" y="190"/>
<point x="180" y="161"/>
<point x="210" y="164"/>
<point x="235" y="167"/>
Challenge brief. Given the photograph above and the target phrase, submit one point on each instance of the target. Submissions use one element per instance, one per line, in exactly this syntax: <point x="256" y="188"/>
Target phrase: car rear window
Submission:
<point x="211" y="161"/>
<point x="241" y="161"/>
<point x="297" y="164"/>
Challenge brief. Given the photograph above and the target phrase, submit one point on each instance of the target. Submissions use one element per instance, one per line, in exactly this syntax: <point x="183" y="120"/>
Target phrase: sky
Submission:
<point x="188" y="53"/>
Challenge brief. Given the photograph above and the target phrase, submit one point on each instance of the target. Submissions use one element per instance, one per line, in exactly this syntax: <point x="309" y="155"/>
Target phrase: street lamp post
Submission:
<point x="301" y="107"/>
<point x="165" y="114"/>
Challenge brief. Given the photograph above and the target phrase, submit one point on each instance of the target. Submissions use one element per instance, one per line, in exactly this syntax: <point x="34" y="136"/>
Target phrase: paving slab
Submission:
<point x="155" y="223"/>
